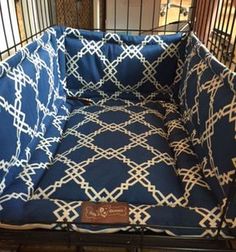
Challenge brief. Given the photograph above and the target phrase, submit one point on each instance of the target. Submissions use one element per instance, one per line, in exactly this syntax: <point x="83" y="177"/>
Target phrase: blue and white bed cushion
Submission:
<point x="91" y="116"/>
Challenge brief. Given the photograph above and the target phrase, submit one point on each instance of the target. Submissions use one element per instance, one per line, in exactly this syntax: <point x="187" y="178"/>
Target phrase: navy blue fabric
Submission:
<point x="33" y="110"/>
<point x="207" y="95"/>
<point x="108" y="65"/>
<point x="91" y="116"/>
<point x="125" y="164"/>
<point x="208" y="100"/>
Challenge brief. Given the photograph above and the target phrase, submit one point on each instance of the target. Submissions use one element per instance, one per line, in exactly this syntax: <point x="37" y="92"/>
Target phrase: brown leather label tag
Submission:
<point x="105" y="213"/>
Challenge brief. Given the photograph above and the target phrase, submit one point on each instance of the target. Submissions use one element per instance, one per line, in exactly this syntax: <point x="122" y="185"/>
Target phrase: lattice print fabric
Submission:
<point x="117" y="66"/>
<point x="91" y="116"/>
<point x="208" y="104"/>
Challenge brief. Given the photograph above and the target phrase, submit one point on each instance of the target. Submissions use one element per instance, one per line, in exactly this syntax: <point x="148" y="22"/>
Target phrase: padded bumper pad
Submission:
<point x="125" y="152"/>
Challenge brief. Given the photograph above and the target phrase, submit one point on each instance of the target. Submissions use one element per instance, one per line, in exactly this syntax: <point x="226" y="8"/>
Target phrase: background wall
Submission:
<point x="132" y="20"/>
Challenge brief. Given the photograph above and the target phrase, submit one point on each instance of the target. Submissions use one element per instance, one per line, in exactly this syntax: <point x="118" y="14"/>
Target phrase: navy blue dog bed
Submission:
<point x="148" y="121"/>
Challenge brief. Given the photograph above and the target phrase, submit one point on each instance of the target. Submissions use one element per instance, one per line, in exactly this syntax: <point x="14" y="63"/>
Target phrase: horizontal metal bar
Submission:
<point x="23" y="41"/>
<point x="131" y="30"/>
<point x="125" y="240"/>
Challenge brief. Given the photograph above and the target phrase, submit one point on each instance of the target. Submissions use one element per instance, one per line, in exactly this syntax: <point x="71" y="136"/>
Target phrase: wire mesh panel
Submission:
<point x="215" y="26"/>
<point x="10" y="35"/>
<point x="213" y="21"/>
<point x="149" y="16"/>
<point x="21" y="21"/>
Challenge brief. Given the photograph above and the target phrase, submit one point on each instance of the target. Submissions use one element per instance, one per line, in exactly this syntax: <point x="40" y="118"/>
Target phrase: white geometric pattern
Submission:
<point x="97" y="49"/>
<point x="95" y="117"/>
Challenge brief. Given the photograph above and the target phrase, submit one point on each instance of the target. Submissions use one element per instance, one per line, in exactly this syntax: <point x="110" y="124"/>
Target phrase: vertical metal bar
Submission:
<point x="166" y="19"/>
<point x="45" y="14"/>
<point x="50" y="12"/>
<point x="49" y="16"/>
<point x="153" y="15"/>
<point x="127" y="25"/>
<point x="23" y="17"/>
<point x="18" y="25"/>
<point x="226" y="28"/>
<point x="201" y="18"/>
<point x="115" y="16"/>
<point x="39" y="19"/>
<point x="34" y="16"/>
<point x="222" y="29"/>
<point x="206" y="30"/>
<point x="212" y="4"/>
<point x="213" y="34"/>
<point x="46" y="11"/>
<point x="231" y="34"/>
<point x="193" y="13"/>
<point x="4" y="29"/>
<point x="140" y="16"/>
<point x="12" y="32"/>
<point x="181" y="3"/>
<point x="233" y="49"/>
<point x="142" y="239"/>
<point x="105" y="14"/>
<point x="196" y="15"/>
<point x="41" y="12"/>
<point x="218" y="28"/>
<point x="27" y="9"/>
